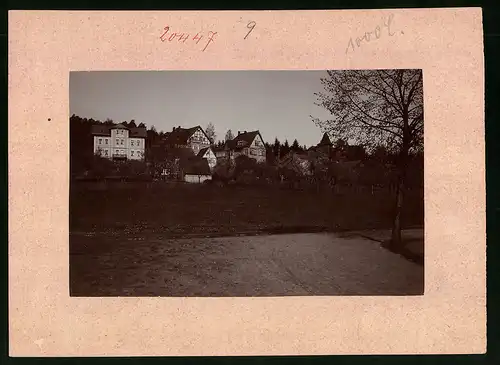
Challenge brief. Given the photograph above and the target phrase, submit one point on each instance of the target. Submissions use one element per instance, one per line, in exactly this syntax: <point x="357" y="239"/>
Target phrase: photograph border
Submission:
<point x="424" y="87"/>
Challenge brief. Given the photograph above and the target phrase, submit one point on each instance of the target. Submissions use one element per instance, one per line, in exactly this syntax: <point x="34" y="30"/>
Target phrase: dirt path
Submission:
<point x="276" y="265"/>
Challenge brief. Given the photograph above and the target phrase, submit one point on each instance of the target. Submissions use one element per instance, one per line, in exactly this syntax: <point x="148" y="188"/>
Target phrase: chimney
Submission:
<point x="179" y="127"/>
<point x="245" y="131"/>
<point x="173" y="129"/>
<point x="239" y="133"/>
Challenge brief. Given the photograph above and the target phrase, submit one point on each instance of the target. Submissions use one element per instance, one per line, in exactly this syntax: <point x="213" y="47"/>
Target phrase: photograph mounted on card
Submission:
<point x="227" y="183"/>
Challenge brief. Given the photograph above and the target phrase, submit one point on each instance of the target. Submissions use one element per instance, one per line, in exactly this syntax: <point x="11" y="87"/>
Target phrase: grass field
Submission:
<point x="182" y="209"/>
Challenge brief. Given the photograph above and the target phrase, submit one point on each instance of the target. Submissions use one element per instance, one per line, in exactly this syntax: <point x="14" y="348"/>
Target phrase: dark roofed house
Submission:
<point x="195" y="170"/>
<point x="194" y="138"/>
<point x="325" y="145"/>
<point x="167" y="159"/>
<point x="325" y="140"/>
<point x="250" y="144"/>
<point x="300" y="162"/>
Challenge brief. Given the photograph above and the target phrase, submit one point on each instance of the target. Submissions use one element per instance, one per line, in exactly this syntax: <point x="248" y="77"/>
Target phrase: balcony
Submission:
<point x="119" y="156"/>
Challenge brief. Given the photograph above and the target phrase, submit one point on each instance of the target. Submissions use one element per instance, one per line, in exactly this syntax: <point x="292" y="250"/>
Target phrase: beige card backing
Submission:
<point x="44" y="46"/>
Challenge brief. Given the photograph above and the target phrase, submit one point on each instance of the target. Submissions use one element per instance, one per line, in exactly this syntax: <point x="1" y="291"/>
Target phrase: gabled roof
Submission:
<point x="325" y="140"/>
<point x="138" y="132"/>
<point x="195" y="166"/>
<point x="246" y="137"/>
<point x="172" y="153"/>
<point x="118" y="126"/>
<point x="181" y="135"/>
<point x="105" y="130"/>
<point x="203" y="151"/>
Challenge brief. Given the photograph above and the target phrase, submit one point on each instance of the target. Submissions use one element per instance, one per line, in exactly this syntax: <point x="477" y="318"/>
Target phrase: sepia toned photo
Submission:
<point x="246" y="183"/>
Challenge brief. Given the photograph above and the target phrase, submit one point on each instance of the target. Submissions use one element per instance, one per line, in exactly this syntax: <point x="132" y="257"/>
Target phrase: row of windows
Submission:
<point x="121" y="152"/>
<point x="257" y="152"/>
<point x="121" y="142"/>
<point x="199" y="138"/>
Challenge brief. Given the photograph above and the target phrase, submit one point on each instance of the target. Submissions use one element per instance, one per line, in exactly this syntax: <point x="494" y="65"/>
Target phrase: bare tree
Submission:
<point x="229" y="135"/>
<point x="377" y="107"/>
<point x="210" y="132"/>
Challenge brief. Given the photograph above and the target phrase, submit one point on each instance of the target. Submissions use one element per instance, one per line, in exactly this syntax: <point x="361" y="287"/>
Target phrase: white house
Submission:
<point x="208" y="154"/>
<point x="119" y="142"/>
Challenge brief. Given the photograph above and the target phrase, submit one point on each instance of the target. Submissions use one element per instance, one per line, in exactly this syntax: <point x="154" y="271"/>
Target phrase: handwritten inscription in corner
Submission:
<point x="251" y="25"/>
<point x="379" y="31"/>
<point x="169" y="36"/>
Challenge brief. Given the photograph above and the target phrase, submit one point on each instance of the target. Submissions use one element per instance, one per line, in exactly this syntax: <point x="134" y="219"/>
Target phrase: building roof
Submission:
<point x="118" y="126"/>
<point x="294" y="156"/>
<point x="195" y="166"/>
<point x="325" y="140"/>
<point x="203" y="151"/>
<point x="180" y="135"/>
<point x="246" y="137"/>
<point x="219" y="148"/>
<point x="138" y="132"/>
<point x="105" y="130"/>
<point x="101" y="130"/>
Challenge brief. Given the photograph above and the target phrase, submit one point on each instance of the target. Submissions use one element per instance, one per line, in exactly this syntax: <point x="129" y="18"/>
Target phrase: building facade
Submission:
<point x="250" y="144"/>
<point x="119" y="142"/>
<point x="208" y="154"/>
<point x="194" y="138"/>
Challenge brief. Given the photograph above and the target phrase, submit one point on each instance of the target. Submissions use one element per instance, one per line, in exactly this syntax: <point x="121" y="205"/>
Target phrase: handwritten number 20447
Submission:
<point x="183" y="37"/>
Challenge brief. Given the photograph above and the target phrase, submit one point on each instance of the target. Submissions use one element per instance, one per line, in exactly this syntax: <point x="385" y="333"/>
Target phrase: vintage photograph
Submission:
<point x="246" y="183"/>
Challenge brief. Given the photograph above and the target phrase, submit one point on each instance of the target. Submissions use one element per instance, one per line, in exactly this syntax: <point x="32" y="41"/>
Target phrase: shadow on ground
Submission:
<point x="262" y="265"/>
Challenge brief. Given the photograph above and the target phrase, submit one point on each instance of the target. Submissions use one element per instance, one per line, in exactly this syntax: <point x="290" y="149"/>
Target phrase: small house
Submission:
<point x="195" y="170"/>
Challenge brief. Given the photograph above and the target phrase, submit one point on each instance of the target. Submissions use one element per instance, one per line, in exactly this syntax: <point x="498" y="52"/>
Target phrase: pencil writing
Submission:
<point x="372" y="35"/>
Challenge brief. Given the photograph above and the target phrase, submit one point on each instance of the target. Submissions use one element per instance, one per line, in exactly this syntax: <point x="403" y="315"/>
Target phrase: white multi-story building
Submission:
<point x="119" y="142"/>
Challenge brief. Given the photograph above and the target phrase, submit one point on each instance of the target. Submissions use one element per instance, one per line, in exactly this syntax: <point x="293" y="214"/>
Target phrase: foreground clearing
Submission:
<point x="274" y="265"/>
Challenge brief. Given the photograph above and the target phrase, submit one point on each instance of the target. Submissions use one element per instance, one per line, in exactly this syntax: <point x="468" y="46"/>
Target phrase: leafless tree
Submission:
<point x="210" y="131"/>
<point x="229" y="135"/>
<point x="373" y="108"/>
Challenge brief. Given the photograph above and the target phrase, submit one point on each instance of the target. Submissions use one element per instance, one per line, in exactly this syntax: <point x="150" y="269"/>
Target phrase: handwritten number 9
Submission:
<point x="250" y="26"/>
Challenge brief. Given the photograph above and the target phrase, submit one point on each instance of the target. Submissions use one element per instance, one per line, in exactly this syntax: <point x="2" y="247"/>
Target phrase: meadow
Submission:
<point x="178" y="210"/>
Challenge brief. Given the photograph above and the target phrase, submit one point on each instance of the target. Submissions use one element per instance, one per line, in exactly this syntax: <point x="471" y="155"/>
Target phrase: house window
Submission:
<point x="105" y="152"/>
<point x="122" y="142"/>
<point x="117" y="141"/>
<point x="132" y="142"/>
<point x="131" y="153"/>
<point x="106" y="140"/>
<point x="100" y="140"/>
<point x="241" y="143"/>
<point x="138" y="143"/>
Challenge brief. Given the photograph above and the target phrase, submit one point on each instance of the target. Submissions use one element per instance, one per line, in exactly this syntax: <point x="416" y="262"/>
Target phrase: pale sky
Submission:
<point x="277" y="103"/>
